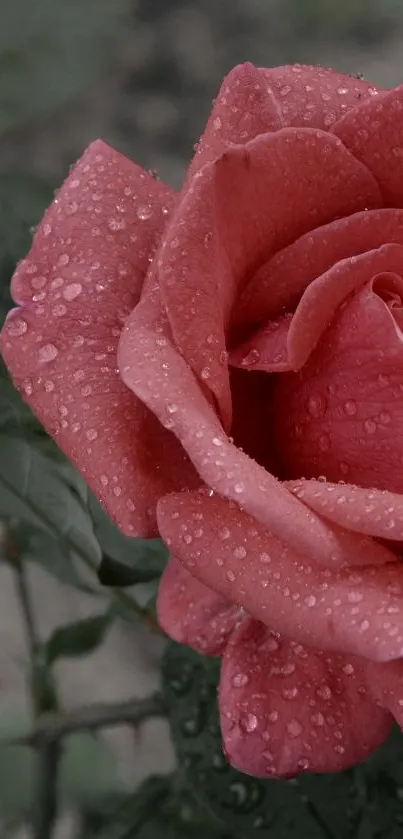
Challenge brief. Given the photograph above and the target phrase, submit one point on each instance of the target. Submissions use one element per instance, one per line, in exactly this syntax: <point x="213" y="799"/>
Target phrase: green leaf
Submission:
<point x="35" y="489"/>
<point x="50" y="51"/>
<point x="127" y="560"/>
<point x="42" y="549"/>
<point x="79" y="638"/>
<point x="114" y="573"/>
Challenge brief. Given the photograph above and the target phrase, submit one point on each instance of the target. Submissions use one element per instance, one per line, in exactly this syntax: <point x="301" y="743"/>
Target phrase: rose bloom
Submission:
<point x="196" y="354"/>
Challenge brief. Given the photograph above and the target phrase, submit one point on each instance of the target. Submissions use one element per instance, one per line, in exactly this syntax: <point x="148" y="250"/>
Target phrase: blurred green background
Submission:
<point x="142" y="74"/>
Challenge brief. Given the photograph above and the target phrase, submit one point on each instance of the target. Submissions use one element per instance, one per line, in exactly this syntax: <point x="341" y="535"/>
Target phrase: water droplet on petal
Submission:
<point x="143" y="212"/>
<point x="240" y="680"/>
<point x="248" y="722"/>
<point x="310" y="601"/>
<point x="350" y="407"/>
<point x="92" y="434"/>
<point x="17" y="327"/>
<point x="370" y="426"/>
<point x="72" y="291"/>
<point x="47" y="353"/>
<point x="240" y="552"/>
<point x="317" y="405"/>
<point x="294" y="728"/>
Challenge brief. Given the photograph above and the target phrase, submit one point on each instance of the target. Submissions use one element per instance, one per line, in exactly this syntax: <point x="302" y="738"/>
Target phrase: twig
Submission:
<point x="51" y="727"/>
<point x="45" y="793"/>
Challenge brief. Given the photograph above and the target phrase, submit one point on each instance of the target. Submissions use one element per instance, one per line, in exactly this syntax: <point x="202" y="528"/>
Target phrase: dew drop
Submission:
<point x="264" y="558"/>
<point x="370" y="426"/>
<point x="324" y="443"/>
<point x="172" y="408"/>
<point x="17" y="327"/>
<point x="350" y="407"/>
<point x="217" y="123"/>
<point x="47" y="353"/>
<point x="104" y="480"/>
<point x="224" y="533"/>
<point x="92" y="434"/>
<point x="318" y="719"/>
<point x="310" y="601"/>
<point x="72" y="291"/>
<point x="248" y="722"/>
<point x="239" y="488"/>
<point x="294" y="728"/>
<point x="240" y="680"/>
<point x="252" y="357"/>
<point x="205" y="373"/>
<point x="230" y="576"/>
<point x="216" y="441"/>
<point x="317" y="405"/>
<point x="143" y="212"/>
<point x="348" y="669"/>
<point x="240" y="552"/>
<point x="49" y="386"/>
<point x="64" y="259"/>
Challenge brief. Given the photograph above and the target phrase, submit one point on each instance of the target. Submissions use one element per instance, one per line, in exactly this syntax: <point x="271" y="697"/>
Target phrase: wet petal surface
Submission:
<point x="82" y="278"/>
<point x="286" y="709"/>
<point x="356" y="610"/>
<point x="193" y="614"/>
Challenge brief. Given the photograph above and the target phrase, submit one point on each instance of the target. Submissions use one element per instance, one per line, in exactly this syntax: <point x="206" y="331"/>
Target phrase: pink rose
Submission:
<point x="262" y="302"/>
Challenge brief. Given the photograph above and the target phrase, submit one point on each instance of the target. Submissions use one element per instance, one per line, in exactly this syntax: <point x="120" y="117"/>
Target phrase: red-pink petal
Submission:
<point x="278" y="283"/>
<point x="245" y="107"/>
<point x="322" y="298"/>
<point x="80" y="281"/>
<point x="193" y="614"/>
<point x="341" y="610"/>
<point x="286" y="709"/>
<point x="266" y="349"/>
<point x="341" y="416"/>
<point x="237" y="211"/>
<point x="374" y="134"/>
<point x="315" y="96"/>
<point x="374" y="512"/>
<point x="154" y="370"/>
<point x="385" y="681"/>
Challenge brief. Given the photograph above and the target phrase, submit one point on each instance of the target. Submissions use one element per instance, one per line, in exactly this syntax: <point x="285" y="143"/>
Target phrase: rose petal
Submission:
<point x="341" y="610"/>
<point x="374" y="512"/>
<point x="194" y="614"/>
<point x="266" y="349"/>
<point x="374" y="134"/>
<point x="286" y="709"/>
<point x="152" y="368"/>
<point x="315" y="96"/>
<point x="81" y="279"/>
<point x="211" y="246"/>
<point x="341" y="416"/>
<point x="322" y="298"/>
<point x="386" y="684"/>
<point x="245" y="107"/>
<point x="278" y="284"/>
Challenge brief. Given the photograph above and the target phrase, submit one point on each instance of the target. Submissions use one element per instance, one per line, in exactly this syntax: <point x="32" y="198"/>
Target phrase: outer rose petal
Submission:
<point x="278" y="283"/>
<point x="315" y="96"/>
<point x="340" y="610"/>
<point x="286" y="709"/>
<point x="386" y="684"/>
<point x="81" y="279"/>
<point x="211" y="247"/>
<point x="154" y="370"/>
<point x="374" y="512"/>
<point x="341" y="416"/>
<point x="255" y="100"/>
<point x="374" y="134"/>
<point x="245" y="107"/>
<point x="193" y="614"/>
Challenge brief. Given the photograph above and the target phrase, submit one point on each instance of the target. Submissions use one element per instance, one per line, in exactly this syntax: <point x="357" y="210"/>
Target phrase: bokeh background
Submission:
<point x="142" y="76"/>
